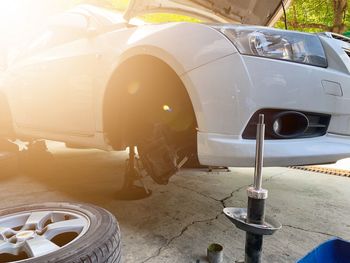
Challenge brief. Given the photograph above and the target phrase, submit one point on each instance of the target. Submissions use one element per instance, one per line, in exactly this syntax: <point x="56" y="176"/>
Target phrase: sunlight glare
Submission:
<point x="18" y="18"/>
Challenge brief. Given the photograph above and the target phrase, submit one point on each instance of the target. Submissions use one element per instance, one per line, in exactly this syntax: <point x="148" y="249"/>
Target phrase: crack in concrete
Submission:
<point x="196" y="221"/>
<point x="192" y="190"/>
<point x="240" y="188"/>
<point x="184" y="229"/>
<point x="310" y="231"/>
<point x="222" y="201"/>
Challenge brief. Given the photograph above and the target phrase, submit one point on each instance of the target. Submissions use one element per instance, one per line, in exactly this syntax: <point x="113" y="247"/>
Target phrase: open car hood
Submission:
<point x="254" y="12"/>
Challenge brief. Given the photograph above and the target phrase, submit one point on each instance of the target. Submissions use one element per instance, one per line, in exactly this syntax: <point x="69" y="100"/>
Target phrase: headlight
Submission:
<point x="278" y="44"/>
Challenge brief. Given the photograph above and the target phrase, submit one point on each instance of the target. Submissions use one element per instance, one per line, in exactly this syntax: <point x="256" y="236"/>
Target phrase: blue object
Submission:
<point x="331" y="251"/>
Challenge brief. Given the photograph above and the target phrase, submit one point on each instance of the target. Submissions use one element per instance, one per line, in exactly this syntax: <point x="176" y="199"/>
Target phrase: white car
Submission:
<point x="92" y="79"/>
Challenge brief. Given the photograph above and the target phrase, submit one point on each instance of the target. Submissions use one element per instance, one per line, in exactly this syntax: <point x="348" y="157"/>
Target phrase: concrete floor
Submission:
<point x="179" y="221"/>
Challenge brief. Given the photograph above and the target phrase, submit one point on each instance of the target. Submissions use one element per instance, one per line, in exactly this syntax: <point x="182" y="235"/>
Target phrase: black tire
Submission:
<point x="100" y="243"/>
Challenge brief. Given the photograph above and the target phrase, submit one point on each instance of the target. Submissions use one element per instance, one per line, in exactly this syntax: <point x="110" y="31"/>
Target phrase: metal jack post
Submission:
<point x="253" y="220"/>
<point x="130" y="191"/>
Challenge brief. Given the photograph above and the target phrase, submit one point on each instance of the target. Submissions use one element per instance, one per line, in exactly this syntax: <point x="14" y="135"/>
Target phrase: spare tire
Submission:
<point x="60" y="233"/>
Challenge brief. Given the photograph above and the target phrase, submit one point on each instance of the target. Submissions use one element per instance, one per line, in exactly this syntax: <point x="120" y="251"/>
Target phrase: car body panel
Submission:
<point x="99" y="57"/>
<point x="72" y="65"/>
<point x="228" y="150"/>
<point x="248" y="84"/>
<point x="59" y="93"/>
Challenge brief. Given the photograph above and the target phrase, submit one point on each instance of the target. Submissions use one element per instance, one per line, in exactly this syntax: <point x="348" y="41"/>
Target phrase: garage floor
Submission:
<point x="179" y="220"/>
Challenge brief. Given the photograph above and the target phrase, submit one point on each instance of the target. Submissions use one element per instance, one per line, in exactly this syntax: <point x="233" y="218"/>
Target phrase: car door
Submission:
<point x="55" y="79"/>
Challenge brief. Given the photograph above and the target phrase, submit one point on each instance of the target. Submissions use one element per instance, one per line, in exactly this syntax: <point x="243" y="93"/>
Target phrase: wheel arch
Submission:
<point x="113" y="90"/>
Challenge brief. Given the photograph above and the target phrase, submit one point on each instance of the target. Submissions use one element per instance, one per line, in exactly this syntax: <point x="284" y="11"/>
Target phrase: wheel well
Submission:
<point x="145" y="90"/>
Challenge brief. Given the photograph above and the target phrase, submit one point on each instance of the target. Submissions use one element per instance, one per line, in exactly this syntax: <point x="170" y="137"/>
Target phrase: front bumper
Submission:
<point x="229" y="150"/>
<point x="230" y="90"/>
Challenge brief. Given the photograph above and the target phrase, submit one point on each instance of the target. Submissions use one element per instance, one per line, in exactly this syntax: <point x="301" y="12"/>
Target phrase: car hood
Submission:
<point x="254" y="12"/>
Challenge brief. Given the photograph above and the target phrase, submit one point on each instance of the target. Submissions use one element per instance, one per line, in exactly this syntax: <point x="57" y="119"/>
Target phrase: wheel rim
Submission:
<point x="28" y="235"/>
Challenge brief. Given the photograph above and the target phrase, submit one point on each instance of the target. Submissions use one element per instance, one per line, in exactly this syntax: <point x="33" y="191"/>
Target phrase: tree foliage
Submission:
<point x="317" y="15"/>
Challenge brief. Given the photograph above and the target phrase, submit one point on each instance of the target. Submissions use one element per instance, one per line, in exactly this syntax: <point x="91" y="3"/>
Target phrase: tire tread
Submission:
<point x="112" y="246"/>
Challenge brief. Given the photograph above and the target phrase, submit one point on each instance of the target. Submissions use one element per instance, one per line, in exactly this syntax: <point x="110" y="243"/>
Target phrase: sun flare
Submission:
<point x="19" y="17"/>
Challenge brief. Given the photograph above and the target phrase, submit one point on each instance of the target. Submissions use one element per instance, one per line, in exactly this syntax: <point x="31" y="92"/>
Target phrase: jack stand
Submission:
<point x="253" y="220"/>
<point x="130" y="191"/>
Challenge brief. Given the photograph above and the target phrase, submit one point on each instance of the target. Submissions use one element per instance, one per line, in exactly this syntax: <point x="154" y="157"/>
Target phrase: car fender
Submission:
<point x="199" y="45"/>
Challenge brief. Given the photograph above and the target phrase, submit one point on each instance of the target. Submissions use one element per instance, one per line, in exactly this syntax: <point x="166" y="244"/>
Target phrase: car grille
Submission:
<point x="317" y="124"/>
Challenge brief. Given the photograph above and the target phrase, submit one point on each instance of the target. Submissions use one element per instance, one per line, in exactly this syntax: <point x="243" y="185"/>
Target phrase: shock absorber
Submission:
<point x="252" y="220"/>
